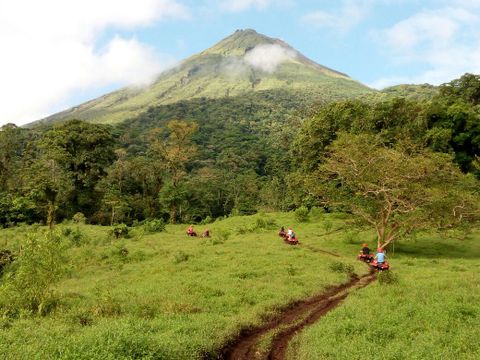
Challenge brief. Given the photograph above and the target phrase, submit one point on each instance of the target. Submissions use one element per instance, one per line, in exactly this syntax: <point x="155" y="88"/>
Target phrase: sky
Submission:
<point x="55" y="54"/>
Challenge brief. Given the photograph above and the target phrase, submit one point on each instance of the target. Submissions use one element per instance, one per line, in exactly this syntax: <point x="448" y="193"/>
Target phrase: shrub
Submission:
<point x="121" y="252"/>
<point x="76" y="236"/>
<point x="155" y="225"/>
<point x="120" y="230"/>
<point x="66" y="231"/>
<point x="302" y="214"/>
<point x="207" y="220"/>
<point x="387" y="278"/>
<point x="79" y="218"/>
<point x="341" y="267"/>
<point x="27" y="286"/>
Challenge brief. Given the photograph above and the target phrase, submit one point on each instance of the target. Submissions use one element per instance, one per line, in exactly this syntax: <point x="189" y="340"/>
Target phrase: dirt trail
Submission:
<point x="290" y="322"/>
<point x="309" y="247"/>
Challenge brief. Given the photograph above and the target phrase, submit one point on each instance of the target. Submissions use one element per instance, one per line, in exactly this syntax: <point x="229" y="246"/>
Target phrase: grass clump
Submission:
<point x="302" y="214"/>
<point x="180" y="256"/>
<point x="154" y="225"/>
<point x="340" y="267"/>
<point x="387" y="277"/>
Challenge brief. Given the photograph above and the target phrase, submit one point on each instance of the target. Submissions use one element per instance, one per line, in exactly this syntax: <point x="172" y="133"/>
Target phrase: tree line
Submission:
<point x="202" y="159"/>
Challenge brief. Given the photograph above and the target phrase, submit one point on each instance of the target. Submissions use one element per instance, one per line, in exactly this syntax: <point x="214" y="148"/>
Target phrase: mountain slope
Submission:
<point x="242" y="63"/>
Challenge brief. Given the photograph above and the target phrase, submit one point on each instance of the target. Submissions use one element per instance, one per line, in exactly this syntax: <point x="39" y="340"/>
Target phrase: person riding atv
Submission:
<point x="190" y="231"/>
<point x="282" y="233"/>
<point x="379" y="262"/>
<point x="291" y="237"/>
<point x="365" y="254"/>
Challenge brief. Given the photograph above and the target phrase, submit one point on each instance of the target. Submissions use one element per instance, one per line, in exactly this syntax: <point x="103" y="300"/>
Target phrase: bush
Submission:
<point x="302" y="214"/>
<point x="79" y="218"/>
<point x="75" y="236"/>
<point x="207" y="220"/>
<point x="341" y="267"/>
<point x="387" y="278"/>
<point x="155" y="225"/>
<point x="120" y="252"/>
<point x="28" y="284"/>
<point x="120" y="230"/>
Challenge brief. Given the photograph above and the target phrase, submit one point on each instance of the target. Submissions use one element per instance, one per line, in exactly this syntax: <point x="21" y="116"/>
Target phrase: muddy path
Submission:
<point x="314" y="249"/>
<point x="286" y="325"/>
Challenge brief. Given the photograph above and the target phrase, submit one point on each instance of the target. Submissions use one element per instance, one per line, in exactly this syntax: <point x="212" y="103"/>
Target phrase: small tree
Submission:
<point x="28" y="284"/>
<point x="394" y="190"/>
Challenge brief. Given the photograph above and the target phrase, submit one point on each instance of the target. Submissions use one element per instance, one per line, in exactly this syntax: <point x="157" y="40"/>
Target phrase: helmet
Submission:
<point x="364" y="245"/>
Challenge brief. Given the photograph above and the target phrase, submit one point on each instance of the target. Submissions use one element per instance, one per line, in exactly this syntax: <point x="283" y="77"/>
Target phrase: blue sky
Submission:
<point x="61" y="53"/>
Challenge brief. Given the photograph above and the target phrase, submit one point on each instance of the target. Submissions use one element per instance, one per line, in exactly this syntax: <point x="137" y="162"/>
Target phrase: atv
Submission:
<point x="380" y="267"/>
<point x="368" y="258"/>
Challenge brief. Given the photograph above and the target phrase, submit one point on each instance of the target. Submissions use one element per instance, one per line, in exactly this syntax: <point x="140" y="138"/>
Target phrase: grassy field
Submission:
<point x="431" y="312"/>
<point x="169" y="296"/>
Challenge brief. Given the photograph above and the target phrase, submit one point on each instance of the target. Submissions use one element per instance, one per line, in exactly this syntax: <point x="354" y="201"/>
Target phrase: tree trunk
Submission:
<point x="51" y="214"/>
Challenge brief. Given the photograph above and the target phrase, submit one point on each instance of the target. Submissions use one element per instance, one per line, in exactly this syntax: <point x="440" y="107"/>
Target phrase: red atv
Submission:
<point x="368" y="258"/>
<point x="380" y="267"/>
<point x="291" y="241"/>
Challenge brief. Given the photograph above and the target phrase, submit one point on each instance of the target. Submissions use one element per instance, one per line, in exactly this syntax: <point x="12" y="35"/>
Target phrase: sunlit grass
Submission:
<point x="432" y="312"/>
<point x="172" y="296"/>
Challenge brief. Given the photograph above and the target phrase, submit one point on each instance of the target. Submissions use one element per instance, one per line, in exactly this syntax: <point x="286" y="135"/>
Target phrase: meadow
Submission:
<point x="168" y="296"/>
<point x="430" y="310"/>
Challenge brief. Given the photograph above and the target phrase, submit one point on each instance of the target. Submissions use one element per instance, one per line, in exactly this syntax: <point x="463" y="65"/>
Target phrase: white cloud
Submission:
<point x="348" y="15"/>
<point x="242" y="5"/>
<point x="446" y="42"/>
<point x="50" y="50"/>
<point x="268" y="57"/>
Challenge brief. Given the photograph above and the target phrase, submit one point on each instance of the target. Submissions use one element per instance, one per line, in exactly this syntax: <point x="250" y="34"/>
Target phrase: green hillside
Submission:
<point x="245" y="62"/>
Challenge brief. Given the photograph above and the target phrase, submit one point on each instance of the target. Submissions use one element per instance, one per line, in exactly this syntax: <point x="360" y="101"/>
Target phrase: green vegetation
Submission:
<point x="221" y="72"/>
<point x="399" y="172"/>
<point x="431" y="311"/>
<point x="167" y="295"/>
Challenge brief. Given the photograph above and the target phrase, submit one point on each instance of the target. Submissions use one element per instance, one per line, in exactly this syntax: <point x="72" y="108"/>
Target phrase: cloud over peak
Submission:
<point x="268" y="57"/>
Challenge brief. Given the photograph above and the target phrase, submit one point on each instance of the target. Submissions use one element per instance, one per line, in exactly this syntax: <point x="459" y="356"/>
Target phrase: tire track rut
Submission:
<point x="291" y="321"/>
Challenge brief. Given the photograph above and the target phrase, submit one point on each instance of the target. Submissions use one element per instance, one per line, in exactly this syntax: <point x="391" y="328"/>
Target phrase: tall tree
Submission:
<point x="394" y="190"/>
<point x="85" y="151"/>
<point x="175" y="149"/>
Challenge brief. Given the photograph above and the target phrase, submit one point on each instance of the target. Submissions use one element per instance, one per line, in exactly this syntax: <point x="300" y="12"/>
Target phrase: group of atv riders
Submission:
<point x="377" y="261"/>
<point x="191" y="232"/>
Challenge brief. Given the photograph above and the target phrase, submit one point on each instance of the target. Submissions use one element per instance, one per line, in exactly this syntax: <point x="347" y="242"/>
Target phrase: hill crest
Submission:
<point x="243" y="62"/>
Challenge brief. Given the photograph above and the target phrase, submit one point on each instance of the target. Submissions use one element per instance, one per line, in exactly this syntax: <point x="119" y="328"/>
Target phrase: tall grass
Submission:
<point x="430" y="310"/>
<point x="169" y="296"/>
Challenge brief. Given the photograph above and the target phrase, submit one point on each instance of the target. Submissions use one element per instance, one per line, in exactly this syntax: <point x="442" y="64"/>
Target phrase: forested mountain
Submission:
<point x="243" y="126"/>
<point x="244" y="63"/>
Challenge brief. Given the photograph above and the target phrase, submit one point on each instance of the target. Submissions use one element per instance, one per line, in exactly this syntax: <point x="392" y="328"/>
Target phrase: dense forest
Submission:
<point x="201" y="159"/>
